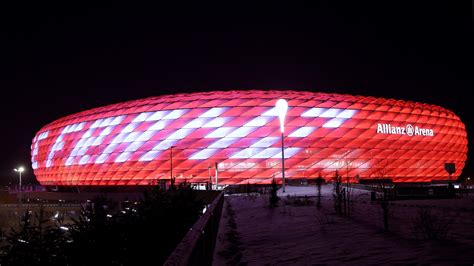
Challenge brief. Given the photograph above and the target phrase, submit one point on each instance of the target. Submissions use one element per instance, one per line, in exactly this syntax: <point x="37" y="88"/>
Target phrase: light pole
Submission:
<point x="171" y="167"/>
<point x="281" y="107"/>
<point x="210" y="177"/>
<point x="217" y="174"/>
<point x="19" y="170"/>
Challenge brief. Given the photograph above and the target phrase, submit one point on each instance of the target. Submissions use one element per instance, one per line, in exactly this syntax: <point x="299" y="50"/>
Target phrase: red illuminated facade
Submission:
<point x="132" y="143"/>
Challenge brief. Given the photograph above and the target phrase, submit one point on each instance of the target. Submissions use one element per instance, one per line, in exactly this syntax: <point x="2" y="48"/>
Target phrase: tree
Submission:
<point x="338" y="193"/>
<point x="319" y="182"/>
<point x="104" y="234"/>
<point x="273" y="194"/>
<point x="36" y="242"/>
<point x="381" y="174"/>
<point x="348" y="189"/>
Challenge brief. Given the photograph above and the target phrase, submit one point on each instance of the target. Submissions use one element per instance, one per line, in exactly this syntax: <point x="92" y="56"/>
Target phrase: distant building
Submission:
<point x="143" y="142"/>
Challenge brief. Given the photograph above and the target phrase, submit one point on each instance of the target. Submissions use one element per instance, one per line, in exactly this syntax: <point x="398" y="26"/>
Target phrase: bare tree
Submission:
<point x="382" y="174"/>
<point x="319" y="182"/>
<point x="338" y="193"/>
<point x="348" y="189"/>
<point x="273" y="194"/>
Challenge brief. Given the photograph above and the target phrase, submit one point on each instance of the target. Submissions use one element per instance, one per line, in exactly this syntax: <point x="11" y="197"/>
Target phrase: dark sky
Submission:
<point x="58" y="60"/>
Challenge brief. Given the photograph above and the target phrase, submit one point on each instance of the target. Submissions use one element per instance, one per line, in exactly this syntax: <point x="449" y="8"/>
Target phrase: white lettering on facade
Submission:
<point x="408" y="130"/>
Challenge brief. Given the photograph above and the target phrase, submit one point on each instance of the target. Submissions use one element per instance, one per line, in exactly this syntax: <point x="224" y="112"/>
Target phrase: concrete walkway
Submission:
<point x="296" y="233"/>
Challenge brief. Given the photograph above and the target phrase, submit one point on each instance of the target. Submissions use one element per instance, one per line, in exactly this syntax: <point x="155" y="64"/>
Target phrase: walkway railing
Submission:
<point x="197" y="246"/>
<point x="37" y="205"/>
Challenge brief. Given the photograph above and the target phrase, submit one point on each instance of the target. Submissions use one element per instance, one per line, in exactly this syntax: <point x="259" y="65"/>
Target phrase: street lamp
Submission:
<point x="19" y="170"/>
<point x="171" y="167"/>
<point x="281" y="107"/>
<point x="210" y="177"/>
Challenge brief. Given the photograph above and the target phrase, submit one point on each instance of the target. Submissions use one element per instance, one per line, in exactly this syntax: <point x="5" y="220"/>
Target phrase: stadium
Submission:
<point x="234" y="137"/>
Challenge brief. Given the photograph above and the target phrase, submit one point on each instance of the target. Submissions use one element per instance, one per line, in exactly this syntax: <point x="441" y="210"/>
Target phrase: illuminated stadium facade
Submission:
<point x="135" y="142"/>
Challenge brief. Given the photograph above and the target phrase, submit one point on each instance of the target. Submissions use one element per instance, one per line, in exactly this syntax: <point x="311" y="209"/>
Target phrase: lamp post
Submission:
<point x="281" y="107"/>
<point x="210" y="177"/>
<point x="217" y="175"/>
<point x="19" y="170"/>
<point x="171" y="167"/>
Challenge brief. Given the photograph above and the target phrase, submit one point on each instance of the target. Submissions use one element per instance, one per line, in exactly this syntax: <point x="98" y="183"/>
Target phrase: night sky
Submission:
<point x="58" y="60"/>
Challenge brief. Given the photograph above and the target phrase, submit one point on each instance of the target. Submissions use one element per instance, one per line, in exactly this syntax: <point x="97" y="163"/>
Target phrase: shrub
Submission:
<point x="428" y="225"/>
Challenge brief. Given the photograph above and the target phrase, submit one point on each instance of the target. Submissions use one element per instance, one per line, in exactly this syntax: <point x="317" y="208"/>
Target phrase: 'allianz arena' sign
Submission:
<point x="408" y="130"/>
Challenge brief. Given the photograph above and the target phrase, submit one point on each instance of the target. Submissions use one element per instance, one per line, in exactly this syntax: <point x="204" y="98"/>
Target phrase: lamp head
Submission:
<point x="281" y="107"/>
<point x="19" y="169"/>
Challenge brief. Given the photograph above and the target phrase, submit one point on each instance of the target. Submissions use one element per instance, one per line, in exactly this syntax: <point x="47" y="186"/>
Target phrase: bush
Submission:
<point x="428" y="225"/>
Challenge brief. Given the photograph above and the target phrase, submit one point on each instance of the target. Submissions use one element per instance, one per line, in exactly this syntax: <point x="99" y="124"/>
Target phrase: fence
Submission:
<point x="38" y="205"/>
<point x="197" y="246"/>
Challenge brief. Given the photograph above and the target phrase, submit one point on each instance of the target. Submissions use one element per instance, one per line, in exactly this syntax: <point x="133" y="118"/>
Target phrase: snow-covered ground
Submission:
<point x="301" y="234"/>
